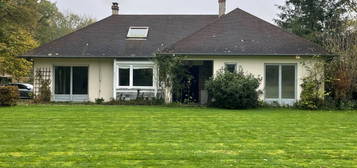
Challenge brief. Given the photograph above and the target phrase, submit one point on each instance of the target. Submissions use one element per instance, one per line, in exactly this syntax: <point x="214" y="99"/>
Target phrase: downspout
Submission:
<point x="114" y="79"/>
<point x="100" y="80"/>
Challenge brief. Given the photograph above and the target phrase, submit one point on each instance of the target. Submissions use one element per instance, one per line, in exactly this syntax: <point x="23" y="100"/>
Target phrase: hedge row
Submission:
<point x="9" y="95"/>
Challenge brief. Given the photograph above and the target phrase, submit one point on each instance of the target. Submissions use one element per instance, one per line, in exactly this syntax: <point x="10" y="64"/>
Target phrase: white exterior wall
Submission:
<point x="100" y="74"/>
<point x="256" y="66"/>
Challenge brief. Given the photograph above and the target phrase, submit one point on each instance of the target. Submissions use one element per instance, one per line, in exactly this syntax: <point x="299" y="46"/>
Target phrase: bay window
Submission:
<point x="135" y="75"/>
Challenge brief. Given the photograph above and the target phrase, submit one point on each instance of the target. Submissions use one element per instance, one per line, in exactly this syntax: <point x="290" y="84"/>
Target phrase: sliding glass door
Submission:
<point x="280" y="83"/>
<point x="63" y="80"/>
<point x="71" y="83"/>
<point x="80" y="80"/>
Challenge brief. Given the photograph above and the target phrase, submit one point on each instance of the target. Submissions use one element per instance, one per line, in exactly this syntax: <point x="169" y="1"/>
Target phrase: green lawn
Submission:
<point x="141" y="136"/>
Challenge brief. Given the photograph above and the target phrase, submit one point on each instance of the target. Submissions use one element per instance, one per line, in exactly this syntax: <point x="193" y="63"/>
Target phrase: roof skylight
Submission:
<point x="138" y="32"/>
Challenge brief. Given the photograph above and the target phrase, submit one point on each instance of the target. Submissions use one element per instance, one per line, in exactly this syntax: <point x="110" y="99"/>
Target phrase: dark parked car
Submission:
<point x="25" y="89"/>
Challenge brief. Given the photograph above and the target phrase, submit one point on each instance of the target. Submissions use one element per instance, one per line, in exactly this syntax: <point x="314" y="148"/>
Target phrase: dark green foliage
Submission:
<point x="234" y="90"/>
<point x="311" y="18"/>
<point x="9" y="95"/>
<point x="311" y="98"/>
<point x="99" y="101"/>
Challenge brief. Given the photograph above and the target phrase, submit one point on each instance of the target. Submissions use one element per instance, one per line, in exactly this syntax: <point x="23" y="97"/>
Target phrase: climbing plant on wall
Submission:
<point x="173" y="72"/>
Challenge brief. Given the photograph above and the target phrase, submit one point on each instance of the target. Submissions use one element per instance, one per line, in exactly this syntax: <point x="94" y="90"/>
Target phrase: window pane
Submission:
<point x="62" y="80"/>
<point x="80" y="80"/>
<point x="143" y="77"/>
<point x="231" y="67"/>
<point x="288" y="82"/>
<point x="124" y="76"/>
<point x="272" y="82"/>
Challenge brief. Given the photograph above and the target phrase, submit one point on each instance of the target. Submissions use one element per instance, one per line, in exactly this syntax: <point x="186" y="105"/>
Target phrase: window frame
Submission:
<point x="118" y="69"/>
<point x="280" y="99"/>
<point x="53" y="83"/>
<point x="132" y="66"/>
<point x="231" y="63"/>
<point x="129" y="37"/>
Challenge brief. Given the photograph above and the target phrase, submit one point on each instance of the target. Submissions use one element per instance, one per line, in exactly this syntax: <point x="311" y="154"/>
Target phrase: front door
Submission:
<point x="71" y="83"/>
<point x="280" y="83"/>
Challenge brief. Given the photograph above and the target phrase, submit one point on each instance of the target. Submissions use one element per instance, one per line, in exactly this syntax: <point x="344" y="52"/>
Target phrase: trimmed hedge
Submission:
<point x="9" y="95"/>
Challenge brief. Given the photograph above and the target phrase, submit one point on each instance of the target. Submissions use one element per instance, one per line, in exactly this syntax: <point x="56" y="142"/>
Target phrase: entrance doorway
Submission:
<point x="193" y="90"/>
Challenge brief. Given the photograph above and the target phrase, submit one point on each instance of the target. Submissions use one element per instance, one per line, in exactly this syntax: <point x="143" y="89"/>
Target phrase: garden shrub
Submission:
<point x="99" y="100"/>
<point x="9" y="95"/>
<point x="311" y="97"/>
<point x="233" y="90"/>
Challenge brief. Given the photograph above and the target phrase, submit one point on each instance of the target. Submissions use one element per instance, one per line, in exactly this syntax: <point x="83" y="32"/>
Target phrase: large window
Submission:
<point x="71" y="80"/>
<point x="135" y="76"/>
<point x="143" y="77"/>
<point x="280" y="81"/>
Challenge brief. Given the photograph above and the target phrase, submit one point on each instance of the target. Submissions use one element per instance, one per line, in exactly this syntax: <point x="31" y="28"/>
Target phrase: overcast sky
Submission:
<point x="99" y="9"/>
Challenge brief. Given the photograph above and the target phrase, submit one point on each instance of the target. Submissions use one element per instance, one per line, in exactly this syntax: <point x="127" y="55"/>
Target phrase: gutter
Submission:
<point x="68" y="56"/>
<point x="174" y="54"/>
<point x="225" y="54"/>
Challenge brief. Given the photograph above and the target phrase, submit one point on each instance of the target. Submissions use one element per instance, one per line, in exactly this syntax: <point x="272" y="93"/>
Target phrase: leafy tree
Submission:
<point x="15" y="35"/>
<point x="47" y="23"/>
<point x="71" y="22"/>
<point x="54" y="24"/>
<point x="25" y="24"/>
<point x="310" y="18"/>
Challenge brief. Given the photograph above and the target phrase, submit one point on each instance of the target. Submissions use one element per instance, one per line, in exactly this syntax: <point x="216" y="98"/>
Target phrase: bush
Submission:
<point x="99" y="101"/>
<point x="234" y="90"/>
<point x="311" y="97"/>
<point x="9" y="95"/>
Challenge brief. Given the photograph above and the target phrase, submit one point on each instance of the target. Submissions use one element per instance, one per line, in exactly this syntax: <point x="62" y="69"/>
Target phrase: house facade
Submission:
<point x="114" y="58"/>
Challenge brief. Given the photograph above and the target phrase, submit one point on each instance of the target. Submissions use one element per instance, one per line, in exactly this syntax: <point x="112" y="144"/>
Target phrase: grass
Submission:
<point x="141" y="136"/>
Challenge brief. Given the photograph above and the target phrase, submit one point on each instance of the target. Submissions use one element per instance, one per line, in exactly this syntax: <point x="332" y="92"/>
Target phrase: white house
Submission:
<point x="114" y="57"/>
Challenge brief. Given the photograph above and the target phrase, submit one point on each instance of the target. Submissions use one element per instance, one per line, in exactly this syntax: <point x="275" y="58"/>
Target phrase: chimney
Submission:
<point x="115" y="8"/>
<point x="222" y="7"/>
